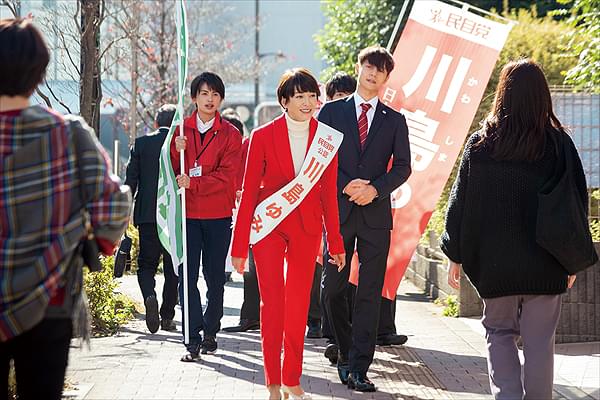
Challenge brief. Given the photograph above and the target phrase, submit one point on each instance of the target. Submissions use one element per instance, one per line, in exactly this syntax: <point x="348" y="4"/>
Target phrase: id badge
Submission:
<point x="196" y="171"/>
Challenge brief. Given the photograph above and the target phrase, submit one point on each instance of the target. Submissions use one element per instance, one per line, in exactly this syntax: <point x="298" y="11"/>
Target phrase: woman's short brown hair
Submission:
<point x="296" y="80"/>
<point x="23" y="57"/>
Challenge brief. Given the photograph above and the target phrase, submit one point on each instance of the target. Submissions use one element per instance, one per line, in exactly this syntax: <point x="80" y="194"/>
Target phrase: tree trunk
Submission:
<point x="89" y="82"/>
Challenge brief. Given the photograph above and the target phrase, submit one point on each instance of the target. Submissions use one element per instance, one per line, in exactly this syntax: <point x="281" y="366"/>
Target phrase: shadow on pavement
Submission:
<point x="573" y="393"/>
<point x="578" y="349"/>
<point x="314" y="385"/>
<point x="418" y="297"/>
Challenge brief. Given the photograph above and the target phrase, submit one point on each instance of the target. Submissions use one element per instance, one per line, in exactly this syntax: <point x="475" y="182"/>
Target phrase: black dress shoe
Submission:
<point x="209" y="345"/>
<point x="391" y="340"/>
<point x="331" y="353"/>
<point x="343" y="369"/>
<point x="152" y="317"/>
<point x="359" y="382"/>
<point x="168" y="325"/>
<point x="244" y="325"/>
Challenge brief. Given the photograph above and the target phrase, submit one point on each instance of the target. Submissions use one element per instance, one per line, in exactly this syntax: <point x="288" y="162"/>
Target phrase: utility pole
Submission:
<point x="256" y="54"/>
<point x="134" y="74"/>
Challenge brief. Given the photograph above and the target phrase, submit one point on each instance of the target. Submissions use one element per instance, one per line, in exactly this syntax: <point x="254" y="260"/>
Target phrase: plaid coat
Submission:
<point x="41" y="222"/>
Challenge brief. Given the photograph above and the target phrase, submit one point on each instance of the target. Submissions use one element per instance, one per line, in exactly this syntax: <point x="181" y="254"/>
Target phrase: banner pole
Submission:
<point x="186" y="307"/>
<point x="182" y="71"/>
<point x="396" y="32"/>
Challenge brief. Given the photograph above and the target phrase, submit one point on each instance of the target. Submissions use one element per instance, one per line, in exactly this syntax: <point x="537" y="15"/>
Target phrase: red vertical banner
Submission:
<point x="444" y="59"/>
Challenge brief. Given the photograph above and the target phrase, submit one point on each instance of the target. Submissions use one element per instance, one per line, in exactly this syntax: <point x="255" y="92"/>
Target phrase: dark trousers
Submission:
<point x="327" y="329"/>
<point x="387" y="316"/>
<point x="148" y="258"/>
<point x="315" y="312"/>
<point x="251" y="304"/>
<point x="207" y="239"/>
<point x="357" y="340"/>
<point x="40" y="358"/>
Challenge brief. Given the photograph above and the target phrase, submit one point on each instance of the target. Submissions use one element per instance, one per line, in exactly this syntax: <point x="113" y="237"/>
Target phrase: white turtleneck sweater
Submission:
<point x="298" y="135"/>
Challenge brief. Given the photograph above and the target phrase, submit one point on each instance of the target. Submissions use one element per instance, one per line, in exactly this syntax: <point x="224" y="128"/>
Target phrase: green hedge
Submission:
<point x="108" y="308"/>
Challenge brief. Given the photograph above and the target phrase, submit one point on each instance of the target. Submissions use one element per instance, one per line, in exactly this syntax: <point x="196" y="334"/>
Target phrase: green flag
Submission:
<point x="169" y="212"/>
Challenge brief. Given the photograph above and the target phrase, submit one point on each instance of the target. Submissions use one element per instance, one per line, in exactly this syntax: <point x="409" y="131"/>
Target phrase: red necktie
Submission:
<point x="363" y="125"/>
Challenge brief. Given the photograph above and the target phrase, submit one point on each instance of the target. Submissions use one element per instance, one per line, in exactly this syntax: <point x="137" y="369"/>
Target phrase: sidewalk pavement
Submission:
<point x="443" y="359"/>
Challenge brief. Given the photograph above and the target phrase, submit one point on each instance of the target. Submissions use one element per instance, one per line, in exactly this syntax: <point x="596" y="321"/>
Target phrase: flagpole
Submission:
<point x="396" y="30"/>
<point x="186" y="334"/>
<point x="181" y="76"/>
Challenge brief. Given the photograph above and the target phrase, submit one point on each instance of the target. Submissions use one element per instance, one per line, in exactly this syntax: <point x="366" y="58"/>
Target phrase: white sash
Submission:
<point x="274" y="209"/>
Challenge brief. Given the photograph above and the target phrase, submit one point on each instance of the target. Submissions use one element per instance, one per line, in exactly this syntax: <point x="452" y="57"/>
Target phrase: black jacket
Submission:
<point x="491" y="222"/>
<point x="142" y="175"/>
<point x="388" y="137"/>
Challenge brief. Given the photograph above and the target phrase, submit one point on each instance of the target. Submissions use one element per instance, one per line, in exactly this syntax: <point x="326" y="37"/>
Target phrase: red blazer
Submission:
<point x="269" y="167"/>
<point x="211" y="195"/>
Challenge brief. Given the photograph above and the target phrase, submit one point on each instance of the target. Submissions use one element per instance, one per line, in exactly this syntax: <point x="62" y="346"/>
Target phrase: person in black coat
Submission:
<point x="373" y="135"/>
<point x="142" y="178"/>
<point x="491" y="230"/>
<point x="250" y="310"/>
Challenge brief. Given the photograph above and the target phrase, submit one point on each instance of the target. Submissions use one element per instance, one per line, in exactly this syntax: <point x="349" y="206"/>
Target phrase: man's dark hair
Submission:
<point x="230" y="115"/>
<point x="212" y="80"/>
<point x="296" y="80"/>
<point x="340" y="82"/>
<point x="165" y="114"/>
<point x="24" y="57"/>
<point x="377" y="56"/>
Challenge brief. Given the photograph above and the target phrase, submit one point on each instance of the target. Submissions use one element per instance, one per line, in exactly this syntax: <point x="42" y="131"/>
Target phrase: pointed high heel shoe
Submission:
<point x="287" y="394"/>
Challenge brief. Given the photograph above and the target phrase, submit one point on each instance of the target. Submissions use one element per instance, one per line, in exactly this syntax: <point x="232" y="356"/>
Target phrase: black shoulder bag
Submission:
<point x="562" y="222"/>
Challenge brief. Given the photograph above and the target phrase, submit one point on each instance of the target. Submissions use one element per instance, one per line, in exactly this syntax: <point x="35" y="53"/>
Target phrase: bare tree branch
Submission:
<point x="112" y="42"/>
<point x="76" y="18"/>
<point x="66" y="48"/>
<point x="12" y="7"/>
<point x="56" y="98"/>
<point x="44" y="97"/>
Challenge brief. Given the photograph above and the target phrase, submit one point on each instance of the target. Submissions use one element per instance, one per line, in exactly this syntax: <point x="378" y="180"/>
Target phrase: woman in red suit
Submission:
<point x="277" y="151"/>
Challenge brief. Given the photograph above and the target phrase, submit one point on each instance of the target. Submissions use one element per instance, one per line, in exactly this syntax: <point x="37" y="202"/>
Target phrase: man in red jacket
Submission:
<point x="212" y="151"/>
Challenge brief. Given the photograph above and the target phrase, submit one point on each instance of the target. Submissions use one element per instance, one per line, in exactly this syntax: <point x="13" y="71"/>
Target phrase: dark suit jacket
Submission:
<point x="387" y="139"/>
<point x="142" y="175"/>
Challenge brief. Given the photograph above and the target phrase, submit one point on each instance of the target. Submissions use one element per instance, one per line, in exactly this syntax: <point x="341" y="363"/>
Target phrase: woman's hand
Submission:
<point x="239" y="264"/>
<point x="183" y="181"/>
<point x="454" y="275"/>
<point x="180" y="143"/>
<point x="339" y="260"/>
<point x="571" y="281"/>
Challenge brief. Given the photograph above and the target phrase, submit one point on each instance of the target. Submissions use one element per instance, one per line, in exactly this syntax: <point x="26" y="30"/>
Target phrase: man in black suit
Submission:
<point x="374" y="134"/>
<point x="342" y="85"/>
<point x="142" y="178"/>
<point x="250" y="310"/>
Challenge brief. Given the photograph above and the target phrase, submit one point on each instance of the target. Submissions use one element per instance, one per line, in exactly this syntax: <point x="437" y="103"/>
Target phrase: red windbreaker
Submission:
<point x="211" y="195"/>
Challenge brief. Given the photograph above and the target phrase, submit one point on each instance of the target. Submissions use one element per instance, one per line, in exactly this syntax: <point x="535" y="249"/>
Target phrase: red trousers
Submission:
<point x="285" y="297"/>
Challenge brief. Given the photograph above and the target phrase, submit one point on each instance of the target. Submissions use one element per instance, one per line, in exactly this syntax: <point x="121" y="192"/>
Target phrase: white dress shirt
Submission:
<point x="204" y="126"/>
<point x="371" y="113"/>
